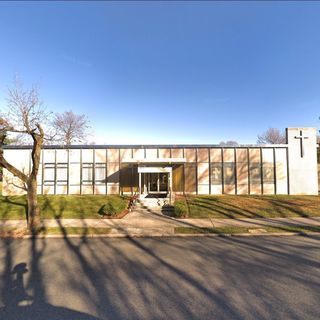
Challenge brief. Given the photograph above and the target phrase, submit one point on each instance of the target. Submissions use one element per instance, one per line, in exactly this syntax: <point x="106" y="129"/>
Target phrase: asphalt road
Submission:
<point x="160" y="278"/>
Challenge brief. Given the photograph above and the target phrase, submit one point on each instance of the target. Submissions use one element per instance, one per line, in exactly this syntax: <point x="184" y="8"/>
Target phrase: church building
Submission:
<point x="165" y="170"/>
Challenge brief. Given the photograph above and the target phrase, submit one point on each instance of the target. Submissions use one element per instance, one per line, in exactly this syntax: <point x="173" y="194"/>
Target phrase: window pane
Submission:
<point x="268" y="173"/>
<point x="87" y="173"/>
<point x="229" y="173"/>
<point x="62" y="173"/>
<point x="255" y="173"/>
<point x="100" y="173"/>
<point x="216" y="173"/>
<point x="48" y="176"/>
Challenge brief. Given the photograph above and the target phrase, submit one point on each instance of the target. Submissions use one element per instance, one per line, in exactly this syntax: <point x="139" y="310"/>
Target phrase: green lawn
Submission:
<point x="72" y="206"/>
<point x="230" y="206"/>
<point x="234" y="230"/>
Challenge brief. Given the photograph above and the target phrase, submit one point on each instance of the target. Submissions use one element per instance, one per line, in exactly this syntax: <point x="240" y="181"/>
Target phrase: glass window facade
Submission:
<point x="100" y="173"/>
<point x="212" y="170"/>
<point x="62" y="174"/>
<point x="255" y="173"/>
<point x="87" y="173"/>
<point x="268" y="173"/>
<point x="49" y="174"/>
<point x="229" y="173"/>
<point x="216" y="173"/>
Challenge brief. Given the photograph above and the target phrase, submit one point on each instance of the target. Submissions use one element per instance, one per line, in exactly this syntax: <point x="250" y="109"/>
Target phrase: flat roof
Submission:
<point x="145" y="146"/>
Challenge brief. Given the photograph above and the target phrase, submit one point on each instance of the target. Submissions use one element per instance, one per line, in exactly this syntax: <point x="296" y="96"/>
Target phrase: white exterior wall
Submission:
<point x="303" y="176"/>
<point x="281" y="171"/>
<point x="267" y="158"/>
<point x="292" y="173"/>
<point x="19" y="159"/>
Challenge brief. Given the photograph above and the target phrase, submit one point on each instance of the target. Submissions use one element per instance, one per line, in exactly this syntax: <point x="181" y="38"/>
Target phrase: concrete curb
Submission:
<point x="210" y="235"/>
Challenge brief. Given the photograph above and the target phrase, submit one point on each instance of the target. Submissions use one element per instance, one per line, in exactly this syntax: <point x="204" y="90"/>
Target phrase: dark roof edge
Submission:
<point x="147" y="146"/>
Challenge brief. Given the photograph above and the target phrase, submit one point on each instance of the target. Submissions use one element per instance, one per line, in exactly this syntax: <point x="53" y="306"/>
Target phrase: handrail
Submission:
<point x="132" y="200"/>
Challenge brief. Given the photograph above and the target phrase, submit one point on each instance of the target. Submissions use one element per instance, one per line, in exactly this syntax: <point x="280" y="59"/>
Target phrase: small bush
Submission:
<point x="180" y="208"/>
<point x="113" y="206"/>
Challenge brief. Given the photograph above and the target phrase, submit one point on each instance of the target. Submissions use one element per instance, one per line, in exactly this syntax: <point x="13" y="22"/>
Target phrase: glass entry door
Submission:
<point x="163" y="182"/>
<point x="157" y="182"/>
<point x="153" y="182"/>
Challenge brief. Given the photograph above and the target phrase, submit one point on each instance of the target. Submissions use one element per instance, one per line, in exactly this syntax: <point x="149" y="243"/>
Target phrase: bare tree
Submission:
<point x="25" y="116"/>
<point x="272" y="136"/>
<point x="70" y="127"/>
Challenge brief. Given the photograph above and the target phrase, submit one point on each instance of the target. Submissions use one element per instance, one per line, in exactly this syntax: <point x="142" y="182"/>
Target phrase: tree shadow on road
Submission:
<point x="159" y="278"/>
<point x="18" y="304"/>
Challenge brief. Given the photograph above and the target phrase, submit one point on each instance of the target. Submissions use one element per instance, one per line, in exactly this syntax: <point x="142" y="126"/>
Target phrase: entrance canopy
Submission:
<point x="154" y="179"/>
<point x="154" y="169"/>
<point x="155" y="161"/>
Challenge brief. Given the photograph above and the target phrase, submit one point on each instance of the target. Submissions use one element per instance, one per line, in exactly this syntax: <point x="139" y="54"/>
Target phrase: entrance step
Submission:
<point x="155" y="206"/>
<point x="148" y="208"/>
<point x="154" y="202"/>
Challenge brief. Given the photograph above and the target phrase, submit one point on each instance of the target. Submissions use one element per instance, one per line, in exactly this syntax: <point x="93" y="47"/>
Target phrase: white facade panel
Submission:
<point x="62" y="156"/>
<point x="203" y="189"/>
<point x="74" y="155"/>
<point x="100" y="156"/>
<point x="74" y="189"/>
<point x="281" y="171"/>
<point x="151" y="153"/>
<point x="87" y="155"/>
<point x="101" y="189"/>
<point x="61" y="189"/>
<point x="74" y="173"/>
<point x="216" y="189"/>
<point x="49" y="156"/>
<point x="303" y="173"/>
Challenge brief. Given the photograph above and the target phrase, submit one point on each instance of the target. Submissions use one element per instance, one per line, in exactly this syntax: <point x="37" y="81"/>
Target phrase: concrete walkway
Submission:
<point x="151" y="222"/>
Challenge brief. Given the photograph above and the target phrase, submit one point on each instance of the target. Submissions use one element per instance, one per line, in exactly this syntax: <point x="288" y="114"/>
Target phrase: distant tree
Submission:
<point x="230" y="143"/>
<point x="25" y="116"/>
<point x="272" y="136"/>
<point x="70" y="127"/>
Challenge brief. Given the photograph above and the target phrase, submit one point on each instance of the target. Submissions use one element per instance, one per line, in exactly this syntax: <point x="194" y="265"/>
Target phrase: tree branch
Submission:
<point x="16" y="172"/>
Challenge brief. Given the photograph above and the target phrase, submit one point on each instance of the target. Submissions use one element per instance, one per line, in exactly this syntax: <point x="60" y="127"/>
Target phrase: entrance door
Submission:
<point x="153" y="182"/>
<point x="158" y="182"/>
<point x="163" y="182"/>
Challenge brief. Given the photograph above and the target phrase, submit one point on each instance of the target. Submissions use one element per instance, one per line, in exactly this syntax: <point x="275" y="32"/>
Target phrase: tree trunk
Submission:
<point x="34" y="219"/>
<point x="30" y="180"/>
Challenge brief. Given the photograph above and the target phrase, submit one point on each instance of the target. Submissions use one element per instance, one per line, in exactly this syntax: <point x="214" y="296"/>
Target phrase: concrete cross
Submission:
<point x="301" y="137"/>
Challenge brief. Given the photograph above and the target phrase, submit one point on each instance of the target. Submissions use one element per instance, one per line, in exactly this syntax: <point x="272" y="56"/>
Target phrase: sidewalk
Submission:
<point x="142" y="222"/>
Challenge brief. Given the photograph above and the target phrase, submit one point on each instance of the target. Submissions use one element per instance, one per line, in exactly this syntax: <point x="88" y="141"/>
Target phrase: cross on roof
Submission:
<point x="301" y="137"/>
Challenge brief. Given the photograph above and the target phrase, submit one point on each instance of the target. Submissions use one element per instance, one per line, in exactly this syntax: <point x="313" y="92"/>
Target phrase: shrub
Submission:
<point x="113" y="206"/>
<point x="180" y="208"/>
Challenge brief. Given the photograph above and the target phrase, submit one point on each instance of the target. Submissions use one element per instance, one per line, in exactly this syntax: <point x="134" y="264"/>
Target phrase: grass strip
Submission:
<point x="77" y="230"/>
<point x="83" y="231"/>
<point x="234" y="230"/>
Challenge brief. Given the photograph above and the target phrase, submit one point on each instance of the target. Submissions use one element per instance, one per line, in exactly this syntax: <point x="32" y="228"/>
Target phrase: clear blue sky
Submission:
<point x="163" y="72"/>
